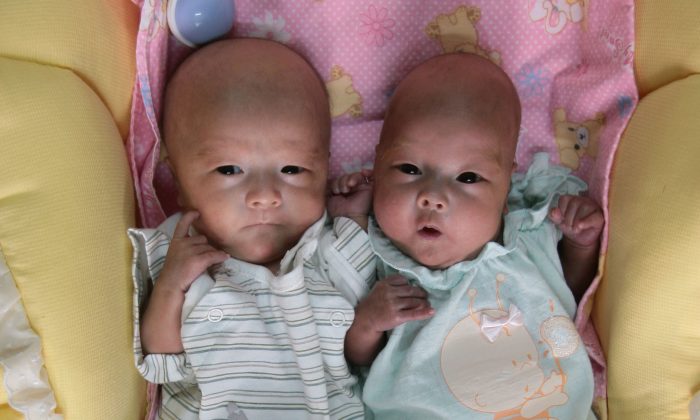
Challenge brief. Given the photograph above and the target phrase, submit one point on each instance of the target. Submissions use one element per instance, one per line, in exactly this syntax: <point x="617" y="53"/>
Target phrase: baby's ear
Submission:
<point x="180" y="198"/>
<point x="163" y="153"/>
<point x="377" y="150"/>
<point x="164" y="157"/>
<point x="166" y="160"/>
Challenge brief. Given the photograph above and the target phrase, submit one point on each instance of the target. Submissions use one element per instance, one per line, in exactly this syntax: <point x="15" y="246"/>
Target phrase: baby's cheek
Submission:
<point x="382" y="213"/>
<point x="394" y="227"/>
<point x="388" y="202"/>
<point x="211" y="227"/>
<point x="309" y="211"/>
<point x="309" y="197"/>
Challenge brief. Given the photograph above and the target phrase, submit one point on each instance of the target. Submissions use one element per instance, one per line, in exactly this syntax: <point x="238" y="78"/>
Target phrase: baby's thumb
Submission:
<point x="421" y="313"/>
<point x="555" y="215"/>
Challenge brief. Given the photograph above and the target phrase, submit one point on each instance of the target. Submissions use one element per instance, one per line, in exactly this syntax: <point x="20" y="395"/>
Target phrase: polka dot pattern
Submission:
<point x="574" y="58"/>
<point x="565" y="57"/>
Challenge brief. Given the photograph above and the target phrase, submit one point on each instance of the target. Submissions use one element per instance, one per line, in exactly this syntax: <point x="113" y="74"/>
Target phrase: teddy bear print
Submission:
<point x="557" y="13"/>
<point x="342" y="94"/>
<point x="457" y="33"/>
<point x="576" y="139"/>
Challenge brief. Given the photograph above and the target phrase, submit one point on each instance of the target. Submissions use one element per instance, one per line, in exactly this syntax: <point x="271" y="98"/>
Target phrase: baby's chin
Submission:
<point x="436" y="259"/>
<point x="259" y="255"/>
<point x="261" y="252"/>
<point x="431" y="260"/>
<point x="435" y="264"/>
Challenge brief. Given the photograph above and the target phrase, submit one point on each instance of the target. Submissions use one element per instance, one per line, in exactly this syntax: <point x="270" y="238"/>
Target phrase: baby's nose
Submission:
<point x="264" y="202"/>
<point x="263" y="197"/>
<point x="430" y="200"/>
<point x="431" y="204"/>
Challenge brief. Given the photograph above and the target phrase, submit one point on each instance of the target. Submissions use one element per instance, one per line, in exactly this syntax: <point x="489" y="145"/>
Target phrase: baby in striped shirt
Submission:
<point x="251" y="289"/>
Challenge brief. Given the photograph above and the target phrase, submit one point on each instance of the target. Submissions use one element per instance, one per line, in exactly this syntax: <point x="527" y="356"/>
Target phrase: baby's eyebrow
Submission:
<point x="205" y="152"/>
<point x="207" y="149"/>
<point x="491" y="164"/>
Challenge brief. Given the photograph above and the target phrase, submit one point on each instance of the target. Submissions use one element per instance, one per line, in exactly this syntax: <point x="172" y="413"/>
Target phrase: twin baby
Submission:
<point x="458" y="293"/>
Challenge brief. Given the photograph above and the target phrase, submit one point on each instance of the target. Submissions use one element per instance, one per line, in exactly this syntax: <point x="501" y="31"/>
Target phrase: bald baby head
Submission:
<point x="246" y="127"/>
<point x="462" y="86"/>
<point x="242" y="77"/>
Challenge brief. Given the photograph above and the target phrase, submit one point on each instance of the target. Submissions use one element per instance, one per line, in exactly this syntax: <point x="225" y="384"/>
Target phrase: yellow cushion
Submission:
<point x="647" y="309"/>
<point x="66" y="200"/>
<point x="667" y="42"/>
<point x="94" y="38"/>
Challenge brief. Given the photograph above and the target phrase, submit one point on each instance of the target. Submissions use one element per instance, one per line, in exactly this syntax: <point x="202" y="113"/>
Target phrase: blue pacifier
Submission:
<point x="196" y="22"/>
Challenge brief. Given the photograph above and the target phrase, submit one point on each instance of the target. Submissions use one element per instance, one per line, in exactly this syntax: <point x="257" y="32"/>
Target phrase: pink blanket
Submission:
<point x="571" y="61"/>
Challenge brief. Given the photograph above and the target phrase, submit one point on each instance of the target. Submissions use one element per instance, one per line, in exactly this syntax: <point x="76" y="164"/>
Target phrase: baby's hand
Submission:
<point x="580" y="220"/>
<point x="391" y="303"/>
<point x="188" y="257"/>
<point x="351" y="194"/>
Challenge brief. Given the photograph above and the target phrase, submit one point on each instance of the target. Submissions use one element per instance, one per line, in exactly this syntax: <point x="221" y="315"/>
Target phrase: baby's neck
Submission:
<point x="499" y="235"/>
<point x="273" y="266"/>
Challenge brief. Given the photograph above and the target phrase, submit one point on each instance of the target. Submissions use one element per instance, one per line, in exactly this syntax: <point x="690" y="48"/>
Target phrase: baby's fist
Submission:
<point x="579" y="218"/>
<point x="351" y="194"/>
<point x="187" y="257"/>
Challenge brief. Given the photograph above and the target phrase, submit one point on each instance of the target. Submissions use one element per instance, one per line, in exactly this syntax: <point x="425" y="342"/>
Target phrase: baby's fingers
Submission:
<point x="559" y="213"/>
<point x="404" y="304"/>
<point x="341" y="185"/>
<point x="367" y="173"/>
<point x="201" y="249"/>
<point x="396" y="280"/>
<point x="213" y="256"/>
<point x="348" y="183"/>
<point x="205" y="258"/>
<point x="352" y="181"/>
<point x="594" y="220"/>
<point x="417" y="314"/>
<point x="334" y="186"/>
<point x="407" y="291"/>
<point x="183" y="225"/>
<point x="197" y="240"/>
<point x="569" y="209"/>
<point x="555" y="215"/>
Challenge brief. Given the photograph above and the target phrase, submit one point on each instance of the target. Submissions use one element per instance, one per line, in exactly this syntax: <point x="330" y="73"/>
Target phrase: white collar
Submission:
<point x="291" y="265"/>
<point x="441" y="279"/>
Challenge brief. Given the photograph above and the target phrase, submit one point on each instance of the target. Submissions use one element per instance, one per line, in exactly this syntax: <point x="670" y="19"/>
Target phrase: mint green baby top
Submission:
<point x="502" y="343"/>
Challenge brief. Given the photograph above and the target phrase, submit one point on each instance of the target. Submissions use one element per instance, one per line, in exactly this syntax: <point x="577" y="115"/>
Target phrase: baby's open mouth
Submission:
<point x="429" y="232"/>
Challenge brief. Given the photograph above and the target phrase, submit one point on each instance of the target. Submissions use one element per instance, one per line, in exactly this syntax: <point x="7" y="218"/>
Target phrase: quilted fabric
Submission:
<point x="647" y="311"/>
<point x="667" y="42"/>
<point x="65" y="203"/>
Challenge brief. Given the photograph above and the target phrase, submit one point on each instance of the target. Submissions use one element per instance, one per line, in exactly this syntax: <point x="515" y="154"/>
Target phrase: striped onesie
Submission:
<point x="259" y="345"/>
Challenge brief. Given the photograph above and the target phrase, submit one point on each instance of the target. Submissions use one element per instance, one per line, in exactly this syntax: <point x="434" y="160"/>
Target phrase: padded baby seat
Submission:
<point x="66" y="192"/>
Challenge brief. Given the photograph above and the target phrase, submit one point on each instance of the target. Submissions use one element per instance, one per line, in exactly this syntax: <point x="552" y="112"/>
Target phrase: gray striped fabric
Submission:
<point x="259" y="345"/>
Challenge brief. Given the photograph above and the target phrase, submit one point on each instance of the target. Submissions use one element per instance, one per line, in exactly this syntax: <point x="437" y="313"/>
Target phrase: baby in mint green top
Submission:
<point x="481" y="266"/>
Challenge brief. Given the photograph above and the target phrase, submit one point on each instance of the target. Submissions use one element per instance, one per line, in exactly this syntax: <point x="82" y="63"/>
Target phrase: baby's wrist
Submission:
<point x="572" y="243"/>
<point x="362" y="323"/>
<point x="165" y="289"/>
<point x="353" y="215"/>
<point x="361" y="219"/>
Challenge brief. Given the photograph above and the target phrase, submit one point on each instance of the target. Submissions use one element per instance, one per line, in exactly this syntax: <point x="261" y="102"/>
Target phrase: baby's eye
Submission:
<point x="229" y="170"/>
<point x="469" y="177"/>
<point x="409" y="169"/>
<point x="292" y="170"/>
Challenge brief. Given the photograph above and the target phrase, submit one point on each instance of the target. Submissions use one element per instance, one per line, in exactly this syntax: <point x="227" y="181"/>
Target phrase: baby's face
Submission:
<point x="258" y="181"/>
<point x="440" y="188"/>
